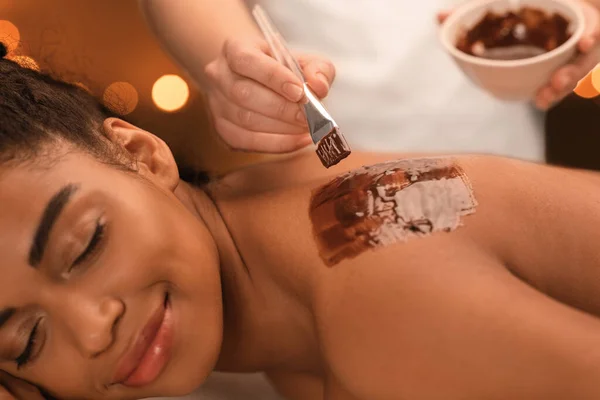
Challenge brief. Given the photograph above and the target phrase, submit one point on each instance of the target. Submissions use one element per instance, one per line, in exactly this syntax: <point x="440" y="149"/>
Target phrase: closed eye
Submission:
<point x="25" y="357"/>
<point x="92" y="246"/>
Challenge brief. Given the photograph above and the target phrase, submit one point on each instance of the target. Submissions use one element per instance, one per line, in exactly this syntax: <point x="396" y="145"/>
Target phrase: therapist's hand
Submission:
<point x="564" y="80"/>
<point x="256" y="102"/>
<point x="16" y="389"/>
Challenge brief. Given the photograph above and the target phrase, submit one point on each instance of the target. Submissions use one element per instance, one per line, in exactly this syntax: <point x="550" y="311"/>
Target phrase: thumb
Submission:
<point x="591" y="32"/>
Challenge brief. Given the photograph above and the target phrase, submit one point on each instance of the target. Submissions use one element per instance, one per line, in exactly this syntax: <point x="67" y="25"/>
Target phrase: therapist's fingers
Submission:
<point x="319" y="73"/>
<point x="251" y="120"/>
<point x="591" y="33"/>
<point x="564" y="80"/>
<point x="251" y="60"/>
<point x="545" y="98"/>
<point x="561" y="83"/>
<point x="253" y="96"/>
<point x="242" y="139"/>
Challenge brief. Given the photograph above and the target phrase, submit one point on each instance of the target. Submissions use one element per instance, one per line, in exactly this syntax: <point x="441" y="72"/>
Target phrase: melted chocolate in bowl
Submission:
<point x="526" y="33"/>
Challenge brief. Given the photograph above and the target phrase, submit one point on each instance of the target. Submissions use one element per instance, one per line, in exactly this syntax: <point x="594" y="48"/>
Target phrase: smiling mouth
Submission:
<point x="151" y="351"/>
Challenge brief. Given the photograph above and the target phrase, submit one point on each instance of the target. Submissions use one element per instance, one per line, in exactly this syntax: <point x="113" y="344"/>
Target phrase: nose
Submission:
<point x="93" y="322"/>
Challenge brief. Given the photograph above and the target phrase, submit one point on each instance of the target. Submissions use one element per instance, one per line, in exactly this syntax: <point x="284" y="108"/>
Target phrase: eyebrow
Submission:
<point x="53" y="210"/>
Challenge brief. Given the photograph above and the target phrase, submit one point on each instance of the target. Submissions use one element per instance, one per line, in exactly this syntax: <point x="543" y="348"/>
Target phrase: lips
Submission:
<point x="150" y="352"/>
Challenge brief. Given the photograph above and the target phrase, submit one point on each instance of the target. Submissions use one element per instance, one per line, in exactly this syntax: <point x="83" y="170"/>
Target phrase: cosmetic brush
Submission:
<point x="324" y="131"/>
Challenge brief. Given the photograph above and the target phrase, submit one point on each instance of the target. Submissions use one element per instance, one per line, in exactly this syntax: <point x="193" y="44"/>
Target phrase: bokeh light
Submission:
<point x="121" y="97"/>
<point x="9" y="35"/>
<point x="170" y="93"/>
<point x="25" y="62"/>
<point x="596" y="78"/>
<point x="586" y="87"/>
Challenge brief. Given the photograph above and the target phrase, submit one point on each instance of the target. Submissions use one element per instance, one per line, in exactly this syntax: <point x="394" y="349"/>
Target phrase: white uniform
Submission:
<point x="396" y="88"/>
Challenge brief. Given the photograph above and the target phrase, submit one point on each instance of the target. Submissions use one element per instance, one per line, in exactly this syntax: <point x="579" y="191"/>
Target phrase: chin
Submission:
<point x="182" y="378"/>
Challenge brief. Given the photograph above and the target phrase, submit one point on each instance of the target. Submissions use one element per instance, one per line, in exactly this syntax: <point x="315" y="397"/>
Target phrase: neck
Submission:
<point x="265" y="326"/>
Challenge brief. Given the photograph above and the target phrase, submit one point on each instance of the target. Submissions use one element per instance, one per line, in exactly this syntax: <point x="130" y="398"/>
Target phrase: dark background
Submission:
<point x="573" y="133"/>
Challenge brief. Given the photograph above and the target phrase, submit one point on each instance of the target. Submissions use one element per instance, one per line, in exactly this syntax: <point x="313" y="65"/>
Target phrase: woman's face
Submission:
<point x="110" y="286"/>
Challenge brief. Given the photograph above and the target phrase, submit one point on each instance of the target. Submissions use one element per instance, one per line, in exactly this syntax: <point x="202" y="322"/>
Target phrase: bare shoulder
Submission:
<point x="416" y="299"/>
<point x="406" y="255"/>
<point x="342" y="214"/>
<point x="296" y="170"/>
<point x="347" y="214"/>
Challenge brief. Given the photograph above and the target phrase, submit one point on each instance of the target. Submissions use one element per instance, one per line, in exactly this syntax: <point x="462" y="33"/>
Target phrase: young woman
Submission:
<point x="466" y="277"/>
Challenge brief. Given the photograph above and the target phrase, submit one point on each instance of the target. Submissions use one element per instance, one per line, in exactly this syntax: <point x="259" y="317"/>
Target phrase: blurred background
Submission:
<point x="106" y="46"/>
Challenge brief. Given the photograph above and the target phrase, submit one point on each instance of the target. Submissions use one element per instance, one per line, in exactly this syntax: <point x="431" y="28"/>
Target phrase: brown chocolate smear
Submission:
<point x="333" y="148"/>
<point x="515" y="35"/>
<point x="379" y="205"/>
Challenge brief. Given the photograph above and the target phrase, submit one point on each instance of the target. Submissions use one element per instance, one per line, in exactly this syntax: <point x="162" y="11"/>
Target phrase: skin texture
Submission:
<point x="503" y="307"/>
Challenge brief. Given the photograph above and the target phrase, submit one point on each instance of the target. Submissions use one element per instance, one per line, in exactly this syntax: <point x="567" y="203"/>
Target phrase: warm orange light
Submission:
<point x="585" y="88"/>
<point x="9" y="35"/>
<point x="121" y="97"/>
<point x="170" y="93"/>
<point x="595" y="77"/>
<point x="25" y="62"/>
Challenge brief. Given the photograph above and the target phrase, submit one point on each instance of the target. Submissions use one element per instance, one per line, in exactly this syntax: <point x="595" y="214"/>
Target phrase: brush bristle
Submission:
<point x="333" y="148"/>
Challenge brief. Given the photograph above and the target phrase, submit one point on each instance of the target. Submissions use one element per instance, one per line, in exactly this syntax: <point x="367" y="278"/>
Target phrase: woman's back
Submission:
<point x="273" y="208"/>
<point x="435" y="297"/>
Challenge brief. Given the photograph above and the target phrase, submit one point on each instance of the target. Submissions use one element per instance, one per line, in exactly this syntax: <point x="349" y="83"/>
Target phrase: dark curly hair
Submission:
<point x="37" y="109"/>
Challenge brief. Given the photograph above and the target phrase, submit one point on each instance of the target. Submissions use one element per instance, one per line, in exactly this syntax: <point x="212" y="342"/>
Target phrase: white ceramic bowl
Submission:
<point x="511" y="80"/>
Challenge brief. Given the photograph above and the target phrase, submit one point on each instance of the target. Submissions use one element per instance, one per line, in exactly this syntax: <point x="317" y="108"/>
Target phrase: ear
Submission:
<point x="153" y="157"/>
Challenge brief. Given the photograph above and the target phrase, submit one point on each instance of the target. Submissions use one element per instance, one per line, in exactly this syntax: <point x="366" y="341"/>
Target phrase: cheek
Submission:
<point x="66" y="373"/>
<point x="197" y="305"/>
<point x="195" y="275"/>
<point x="198" y="261"/>
<point x="153" y="238"/>
<point x="178" y="248"/>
